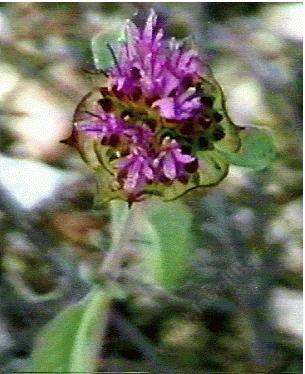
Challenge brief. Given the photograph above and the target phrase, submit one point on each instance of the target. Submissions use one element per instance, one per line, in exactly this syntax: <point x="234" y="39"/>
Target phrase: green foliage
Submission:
<point x="70" y="342"/>
<point x="257" y="151"/>
<point x="166" y="242"/>
<point x="101" y="53"/>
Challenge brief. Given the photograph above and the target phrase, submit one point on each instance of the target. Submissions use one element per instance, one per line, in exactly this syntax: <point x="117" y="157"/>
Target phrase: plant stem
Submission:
<point x="121" y="220"/>
<point x="131" y="333"/>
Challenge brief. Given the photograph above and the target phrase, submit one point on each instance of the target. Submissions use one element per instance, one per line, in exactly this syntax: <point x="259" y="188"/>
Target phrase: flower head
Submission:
<point x="155" y="127"/>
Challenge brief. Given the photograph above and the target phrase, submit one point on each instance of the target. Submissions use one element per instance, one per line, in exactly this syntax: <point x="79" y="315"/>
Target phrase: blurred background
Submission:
<point x="238" y="307"/>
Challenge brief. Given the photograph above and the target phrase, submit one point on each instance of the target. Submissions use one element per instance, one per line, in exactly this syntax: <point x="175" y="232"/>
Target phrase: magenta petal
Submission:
<point x="132" y="36"/>
<point x="147" y="171"/>
<point x="195" y="65"/>
<point x="192" y="104"/>
<point x="120" y="82"/>
<point x="170" y="83"/>
<point x="148" y="66"/>
<point x="150" y="24"/>
<point x="186" y="95"/>
<point x="184" y="159"/>
<point x="159" y="35"/>
<point x="169" y="167"/>
<point x="186" y="59"/>
<point x="133" y="176"/>
<point x="166" y="107"/>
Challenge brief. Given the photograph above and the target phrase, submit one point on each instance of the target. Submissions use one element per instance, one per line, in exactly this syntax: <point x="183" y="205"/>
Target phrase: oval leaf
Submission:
<point x="257" y="150"/>
<point x="71" y="341"/>
<point x="164" y="239"/>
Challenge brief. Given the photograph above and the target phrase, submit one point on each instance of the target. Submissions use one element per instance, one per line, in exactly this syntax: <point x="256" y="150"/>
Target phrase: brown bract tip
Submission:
<point x="71" y="140"/>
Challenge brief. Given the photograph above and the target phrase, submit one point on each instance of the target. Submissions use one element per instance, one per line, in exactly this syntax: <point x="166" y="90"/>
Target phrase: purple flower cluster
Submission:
<point x="160" y="71"/>
<point x="153" y="115"/>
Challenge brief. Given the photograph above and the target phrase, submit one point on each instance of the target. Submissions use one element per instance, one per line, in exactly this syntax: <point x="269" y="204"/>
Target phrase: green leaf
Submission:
<point x="257" y="150"/>
<point x="71" y="341"/>
<point x="102" y="56"/>
<point x="165" y="241"/>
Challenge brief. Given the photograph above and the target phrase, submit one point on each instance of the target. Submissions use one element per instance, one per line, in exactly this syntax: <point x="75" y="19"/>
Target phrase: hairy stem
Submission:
<point x="121" y="220"/>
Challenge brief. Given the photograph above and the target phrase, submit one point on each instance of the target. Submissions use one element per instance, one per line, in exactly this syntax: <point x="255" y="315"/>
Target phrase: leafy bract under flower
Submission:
<point x="159" y="125"/>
